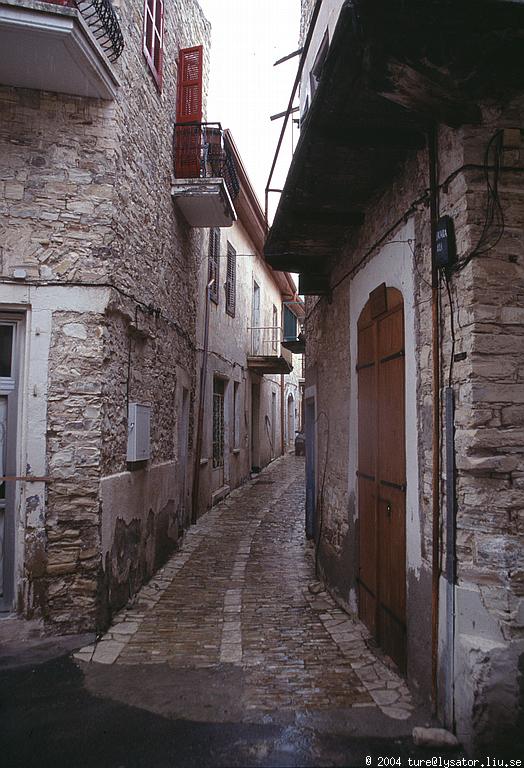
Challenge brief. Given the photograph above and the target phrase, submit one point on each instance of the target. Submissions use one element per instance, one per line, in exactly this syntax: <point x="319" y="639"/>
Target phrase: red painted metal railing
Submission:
<point x="200" y="152"/>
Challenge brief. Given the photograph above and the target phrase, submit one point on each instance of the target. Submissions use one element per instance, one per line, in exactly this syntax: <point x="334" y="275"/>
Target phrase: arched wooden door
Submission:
<point x="382" y="471"/>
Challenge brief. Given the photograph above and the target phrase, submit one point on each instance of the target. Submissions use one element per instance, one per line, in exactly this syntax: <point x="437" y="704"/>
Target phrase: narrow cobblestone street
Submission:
<point x="232" y="655"/>
<point x="237" y="594"/>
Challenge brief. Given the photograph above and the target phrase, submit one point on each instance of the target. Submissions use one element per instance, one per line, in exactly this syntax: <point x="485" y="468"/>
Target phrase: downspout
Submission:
<point x="282" y="413"/>
<point x="450" y="557"/>
<point x="435" y="345"/>
<point x="201" y="404"/>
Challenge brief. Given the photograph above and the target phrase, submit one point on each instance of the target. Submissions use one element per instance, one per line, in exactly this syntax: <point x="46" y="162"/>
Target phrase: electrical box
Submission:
<point x="445" y="243"/>
<point x="138" y="432"/>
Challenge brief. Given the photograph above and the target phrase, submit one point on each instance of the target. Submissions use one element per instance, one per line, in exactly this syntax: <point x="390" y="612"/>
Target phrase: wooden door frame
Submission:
<point x="390" y="302"/>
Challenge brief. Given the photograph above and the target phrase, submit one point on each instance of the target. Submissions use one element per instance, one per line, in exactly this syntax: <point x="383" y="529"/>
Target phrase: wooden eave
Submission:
<point x="388" y="77"/>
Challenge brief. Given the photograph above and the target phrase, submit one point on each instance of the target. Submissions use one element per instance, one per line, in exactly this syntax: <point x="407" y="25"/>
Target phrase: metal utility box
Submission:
<point x="138" y="432"/>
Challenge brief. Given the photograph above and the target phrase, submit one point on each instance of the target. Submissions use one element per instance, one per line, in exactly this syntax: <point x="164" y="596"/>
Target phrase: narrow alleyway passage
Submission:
<point x="227" y="658"/>
<point x="235" y="602"/>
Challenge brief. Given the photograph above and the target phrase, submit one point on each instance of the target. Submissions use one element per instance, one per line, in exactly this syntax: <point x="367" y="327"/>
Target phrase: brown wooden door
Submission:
<point x="382" y="472"/>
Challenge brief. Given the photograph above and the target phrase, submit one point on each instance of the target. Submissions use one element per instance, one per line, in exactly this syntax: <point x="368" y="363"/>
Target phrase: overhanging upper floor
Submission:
<point x="392" y="71"/>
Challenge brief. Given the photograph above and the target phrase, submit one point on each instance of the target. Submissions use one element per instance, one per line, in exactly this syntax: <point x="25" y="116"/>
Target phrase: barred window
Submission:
<point x="231" y="280"/>
<point x="214" y="262"/>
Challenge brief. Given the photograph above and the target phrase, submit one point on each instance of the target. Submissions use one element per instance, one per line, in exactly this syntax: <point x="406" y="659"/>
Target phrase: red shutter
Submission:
<point x="189" y="101"/>
<point x="189" y="110"/>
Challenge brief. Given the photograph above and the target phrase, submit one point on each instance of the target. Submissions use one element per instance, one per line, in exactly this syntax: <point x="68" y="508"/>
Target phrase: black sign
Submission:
<point x="445" y="242"/>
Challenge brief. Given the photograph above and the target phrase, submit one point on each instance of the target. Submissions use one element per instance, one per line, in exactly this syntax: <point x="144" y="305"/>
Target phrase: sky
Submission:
<point x="247" y="37"/>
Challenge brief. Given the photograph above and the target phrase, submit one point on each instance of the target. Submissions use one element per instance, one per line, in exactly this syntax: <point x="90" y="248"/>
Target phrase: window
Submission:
<point x="236" y="416"/>
<point x="6" y="349"/>
<point x="231" y="280"/>
<point x="275" y="329"/>
<point x="318" y="65"/>
<point x="255" y="320"/>
<point x="214" y="263"/>
<point x="153" y="38"/>
<point x="218" y="423"/>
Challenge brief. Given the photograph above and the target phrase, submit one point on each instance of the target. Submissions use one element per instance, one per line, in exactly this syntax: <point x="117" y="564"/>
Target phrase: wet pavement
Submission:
<point x="232" y="655"/>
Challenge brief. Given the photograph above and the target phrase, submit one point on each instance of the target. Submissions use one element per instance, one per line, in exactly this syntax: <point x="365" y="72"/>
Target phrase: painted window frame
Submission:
<point x="10" y="387"/>
<point x="235" y="421"/>
<point x="214" y="264"/>
<point x="275" y="328"/>
<point x="153" y="39"/>
<point x="231" y="280"/>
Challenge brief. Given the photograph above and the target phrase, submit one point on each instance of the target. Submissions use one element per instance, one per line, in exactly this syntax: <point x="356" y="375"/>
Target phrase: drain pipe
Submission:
<point x="451" y="570"/>
<point x="282" y="413"/>
<point x="201" y="405"/>
<point x="435" y="345"/>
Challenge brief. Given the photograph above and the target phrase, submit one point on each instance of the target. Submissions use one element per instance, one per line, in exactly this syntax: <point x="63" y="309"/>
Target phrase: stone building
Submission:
<point x="97" y="300"/>
<point x="403" y="213"/>
<point x="250" y="384"/>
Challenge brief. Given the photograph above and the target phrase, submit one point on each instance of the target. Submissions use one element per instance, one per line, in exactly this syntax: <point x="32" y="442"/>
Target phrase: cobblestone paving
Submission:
<point x="241" y="592"/>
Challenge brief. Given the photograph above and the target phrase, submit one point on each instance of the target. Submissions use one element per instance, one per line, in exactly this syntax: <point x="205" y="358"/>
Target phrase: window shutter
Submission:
<point x="231" y="276"/>
<point x="153" y="38"/>
<point x="189" y="110"/>
<point x="214" y="264"/>
<point x="189" y="98"/>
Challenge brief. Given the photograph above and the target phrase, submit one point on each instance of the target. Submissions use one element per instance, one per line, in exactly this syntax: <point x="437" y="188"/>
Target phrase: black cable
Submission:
<point x="494" y="224"/>
<point x="150" y="308"/>
<point x="452" y="328"/>
<point x="497" y="168"/>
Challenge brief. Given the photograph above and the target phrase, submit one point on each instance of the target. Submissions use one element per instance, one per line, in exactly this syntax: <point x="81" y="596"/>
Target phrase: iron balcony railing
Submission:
<point x="200" y="152"/>
<point x="102" y="21"/>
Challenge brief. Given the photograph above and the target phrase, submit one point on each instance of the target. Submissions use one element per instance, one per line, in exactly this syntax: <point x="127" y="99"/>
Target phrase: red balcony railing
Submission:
<point x="200" y="152"/>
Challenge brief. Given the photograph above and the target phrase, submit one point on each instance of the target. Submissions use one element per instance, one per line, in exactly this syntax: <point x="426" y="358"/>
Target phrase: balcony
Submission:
<point x="62" y="46"/>
<point x="268" y="354"/>
<point x="206" y="182"/>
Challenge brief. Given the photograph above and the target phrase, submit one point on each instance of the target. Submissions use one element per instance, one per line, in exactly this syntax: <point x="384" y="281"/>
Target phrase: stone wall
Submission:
<point x="85" y="199"/>
<point x="487" y="378"/>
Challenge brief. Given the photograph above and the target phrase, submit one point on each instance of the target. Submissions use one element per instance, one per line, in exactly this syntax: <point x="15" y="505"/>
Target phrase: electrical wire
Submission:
<point x="148" y="308"/>
<point x="494" y="224"/>
<point x="452" y="328"/>
<point x="423" y="198"/>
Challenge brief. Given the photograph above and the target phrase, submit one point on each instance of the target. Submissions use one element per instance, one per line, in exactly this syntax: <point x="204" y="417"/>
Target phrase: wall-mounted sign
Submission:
<point x="445" y="242"/>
